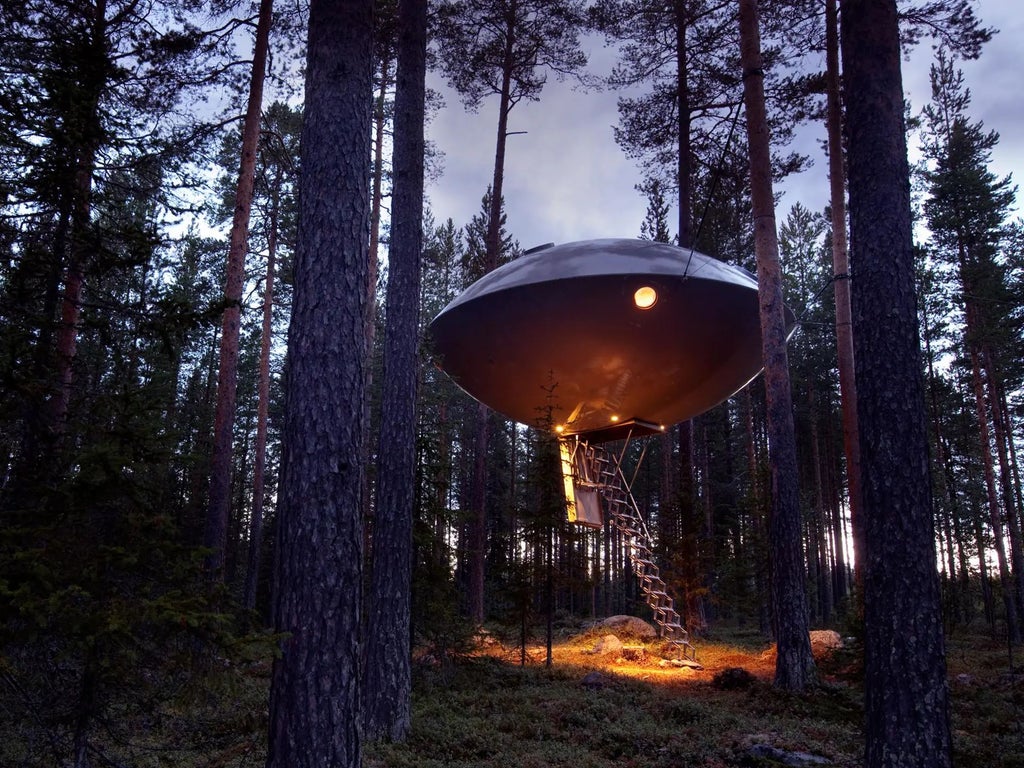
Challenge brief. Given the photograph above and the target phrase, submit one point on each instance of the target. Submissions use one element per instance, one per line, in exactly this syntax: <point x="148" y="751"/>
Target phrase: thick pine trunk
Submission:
<point x="215" y="537"/>
<point x="794" y="668"/>
<point x="906" y="699"/>
<point x="315" y="690"/>
<point x="387" y="712"/>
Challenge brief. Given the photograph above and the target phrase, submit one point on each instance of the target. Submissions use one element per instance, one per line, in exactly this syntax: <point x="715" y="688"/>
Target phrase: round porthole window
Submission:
<point x="645" y="297"/>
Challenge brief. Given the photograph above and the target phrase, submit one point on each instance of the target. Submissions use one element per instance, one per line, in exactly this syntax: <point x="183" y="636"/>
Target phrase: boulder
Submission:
<point x="629" y="626"/>
<point x="593" y="681"/>
<point x="733" y="678"/>
<point x="824" y="642"/>
<point x="765" y="754"/>
<point x="609" y="645"/>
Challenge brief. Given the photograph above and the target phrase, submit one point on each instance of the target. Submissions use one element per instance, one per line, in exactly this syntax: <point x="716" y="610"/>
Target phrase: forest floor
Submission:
<point x="486" y="709"/>
<point x="482" y="708"/>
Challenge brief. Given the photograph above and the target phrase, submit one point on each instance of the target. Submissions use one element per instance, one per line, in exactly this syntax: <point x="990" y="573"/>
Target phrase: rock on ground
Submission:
<point x="824" y="641"/>
<point x="593" y="681"/>
<point x="630" y="626"/>
<point x="762" y="754"/>
<point x="609" y="645"/>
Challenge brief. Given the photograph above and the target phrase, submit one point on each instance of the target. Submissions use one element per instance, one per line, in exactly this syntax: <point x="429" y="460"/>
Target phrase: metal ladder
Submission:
<point x="601" y="470"/>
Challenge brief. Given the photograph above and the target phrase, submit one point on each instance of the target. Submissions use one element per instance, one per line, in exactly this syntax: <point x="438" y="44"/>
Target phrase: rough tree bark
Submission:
<point x="315" y="690"/>
<point x="215" y="536"/>
<point x="387" y="712"/>
<point x="794" y="669"/>
<point x="906" y="700"/>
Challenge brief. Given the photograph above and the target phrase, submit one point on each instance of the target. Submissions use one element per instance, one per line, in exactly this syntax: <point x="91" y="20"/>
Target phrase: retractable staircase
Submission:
<point x="595" y="469"/>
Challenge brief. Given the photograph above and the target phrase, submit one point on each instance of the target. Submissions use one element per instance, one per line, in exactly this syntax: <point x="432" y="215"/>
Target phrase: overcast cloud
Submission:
<point x="566" y="179"/>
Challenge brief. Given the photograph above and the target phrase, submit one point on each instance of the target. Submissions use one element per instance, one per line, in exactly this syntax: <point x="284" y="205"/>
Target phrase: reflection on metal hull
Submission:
<point x="557" y="340"/>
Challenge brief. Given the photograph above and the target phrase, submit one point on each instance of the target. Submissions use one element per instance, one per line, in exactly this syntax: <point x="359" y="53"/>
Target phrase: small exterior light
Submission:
<point x="615" y="418"/>
<point x="645" y="297"/>
<point x="560" y="428"/>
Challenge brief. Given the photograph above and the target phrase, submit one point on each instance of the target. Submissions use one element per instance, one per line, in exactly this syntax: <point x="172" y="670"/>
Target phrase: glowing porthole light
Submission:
<point x="645" y="297"/>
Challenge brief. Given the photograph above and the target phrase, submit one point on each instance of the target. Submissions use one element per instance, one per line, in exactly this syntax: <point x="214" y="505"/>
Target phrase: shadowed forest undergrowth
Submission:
<point x="484" y="708"/>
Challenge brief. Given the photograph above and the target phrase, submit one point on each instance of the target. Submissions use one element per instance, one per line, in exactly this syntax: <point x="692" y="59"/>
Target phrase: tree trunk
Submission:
<point x="995" y="518"/>
<point x="906" y="700"/>
<point x="84" y="160"/>
<point x="387" y="700"/>
<point x="794" y="668"/>
<point x="824" y="574"/>
<point x="492" y="249"/>
<point x="986" y="583"/>
<point x="1000" y="438"/>
<point x="841" y="285"/>
<point x="683" y="165"/>
<point x="262" y="411"/>
<point x="215" y="536"/>
<point x="315" y="690"/>
<point x="946" y="476"/>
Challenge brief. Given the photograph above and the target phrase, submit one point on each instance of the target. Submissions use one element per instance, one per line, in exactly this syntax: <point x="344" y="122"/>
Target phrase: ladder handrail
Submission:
<point x="618" y="494"/>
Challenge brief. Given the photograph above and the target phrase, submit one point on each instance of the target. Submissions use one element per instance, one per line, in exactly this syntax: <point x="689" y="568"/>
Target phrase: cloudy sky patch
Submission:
<point x="566" y="179"/>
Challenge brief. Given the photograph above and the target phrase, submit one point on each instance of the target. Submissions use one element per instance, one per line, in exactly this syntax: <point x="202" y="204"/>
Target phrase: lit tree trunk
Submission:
<point x="315" y="690"/>
<point x="995" y="518"/>
<point x="387" y="670"/>
<point x="841" y="284"/>
<point x="262" y="411"/>
<point x="999" y="436"/>
<point x="215" y="537"/>
<point x="906" y="699"/>
<point x="794" y="668"/>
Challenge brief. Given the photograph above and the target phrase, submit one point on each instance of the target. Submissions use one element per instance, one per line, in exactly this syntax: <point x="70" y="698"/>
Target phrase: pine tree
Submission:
<point x="315" y="691"/>
<point x="655" y="223"/>
<point x="794" y="669"/>
<point x="906" y="704"/>
<point x="966" y="211"/>
<point x="387" y="672"/>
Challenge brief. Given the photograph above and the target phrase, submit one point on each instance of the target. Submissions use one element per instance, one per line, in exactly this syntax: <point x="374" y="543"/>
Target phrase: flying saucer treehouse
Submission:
<point x="599" y="341"/>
